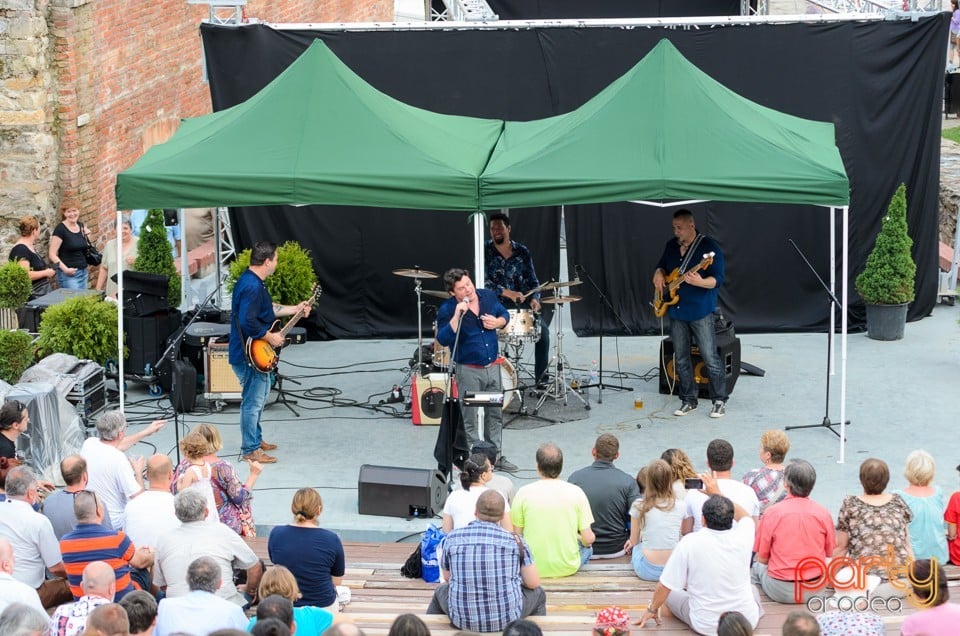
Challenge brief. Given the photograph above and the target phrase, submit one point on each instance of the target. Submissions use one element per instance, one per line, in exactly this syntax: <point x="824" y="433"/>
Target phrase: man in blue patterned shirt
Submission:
<point x="491" y="574"/>
<point x="510" y="273"/>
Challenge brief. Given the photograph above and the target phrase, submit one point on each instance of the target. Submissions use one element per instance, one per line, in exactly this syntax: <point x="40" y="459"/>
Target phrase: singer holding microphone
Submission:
<point x="510" y="273"/>
<point x="468" y="323"/>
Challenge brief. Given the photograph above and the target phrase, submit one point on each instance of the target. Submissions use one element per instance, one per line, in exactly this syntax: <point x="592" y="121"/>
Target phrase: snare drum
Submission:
<point x="508" y="379"/>
<point x="523" y="326"/>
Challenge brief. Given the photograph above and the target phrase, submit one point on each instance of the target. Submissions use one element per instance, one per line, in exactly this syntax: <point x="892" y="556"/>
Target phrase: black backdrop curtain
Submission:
<point x="879" y="82"/>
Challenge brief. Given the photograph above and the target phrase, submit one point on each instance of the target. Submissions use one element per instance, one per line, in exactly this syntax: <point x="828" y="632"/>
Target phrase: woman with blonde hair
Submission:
<point x="927" y="530"/>
<point x="194" y="472"/>
<point x="767" y="481"/>
<point x="23" y="252"/>
<point x="682" y="468"/>
<point x="314" y="555"/>
<point x="233" y="498"/>
<point x="280" y="581"/>
<point x="655" y="522"/>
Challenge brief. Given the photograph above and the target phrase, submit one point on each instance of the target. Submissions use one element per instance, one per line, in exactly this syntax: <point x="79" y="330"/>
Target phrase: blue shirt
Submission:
<point x="310" y="620"/>
<point x="695" y="302"/>
<point x="484" y="564"/>
<point x="516" y="273"/>
<point x="252" y="310"/>
<point x="314" y="556"/>
<point x="477" y="345"/>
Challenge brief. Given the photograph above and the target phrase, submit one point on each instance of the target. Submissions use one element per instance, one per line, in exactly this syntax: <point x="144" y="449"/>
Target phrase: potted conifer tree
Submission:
<point x="15" y="288"/>
<point x="886" y="283"/>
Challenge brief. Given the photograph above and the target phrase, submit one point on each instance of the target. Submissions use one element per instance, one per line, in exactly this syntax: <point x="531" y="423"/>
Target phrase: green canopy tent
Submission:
<point x="665" y="130"/>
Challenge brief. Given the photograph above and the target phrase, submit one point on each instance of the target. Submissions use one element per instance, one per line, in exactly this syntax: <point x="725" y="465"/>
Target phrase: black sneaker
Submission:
<point x="505" y="465"/>
<point x="686" y="407"/>
<point x="719" y="409"/>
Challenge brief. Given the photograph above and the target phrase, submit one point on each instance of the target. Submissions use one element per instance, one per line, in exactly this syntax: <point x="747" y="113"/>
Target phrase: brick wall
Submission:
<point x="103" y="81"/>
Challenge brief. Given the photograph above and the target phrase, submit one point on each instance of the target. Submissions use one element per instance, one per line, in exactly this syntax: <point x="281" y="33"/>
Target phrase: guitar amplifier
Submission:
<point x="220" y="382"/>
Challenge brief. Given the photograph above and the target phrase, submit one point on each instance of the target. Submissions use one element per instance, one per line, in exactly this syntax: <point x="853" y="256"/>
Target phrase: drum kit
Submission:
<point x="522" y="329"/>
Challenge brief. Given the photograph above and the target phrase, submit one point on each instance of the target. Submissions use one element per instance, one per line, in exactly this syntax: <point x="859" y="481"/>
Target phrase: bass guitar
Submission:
<point x="672" y="282"/>
<point x="261" y="354"/>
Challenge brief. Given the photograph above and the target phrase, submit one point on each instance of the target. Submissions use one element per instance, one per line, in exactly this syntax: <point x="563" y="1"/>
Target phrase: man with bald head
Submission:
<point x="58" y="505"/>
<point x="99" y="586"/>
<point x="150" y="516"/>
<point x="491" y="574"/>
<point x="12" y="590"/>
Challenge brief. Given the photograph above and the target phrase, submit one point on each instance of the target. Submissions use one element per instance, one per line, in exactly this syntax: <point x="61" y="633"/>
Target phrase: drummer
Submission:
<point x="510" y="273"/>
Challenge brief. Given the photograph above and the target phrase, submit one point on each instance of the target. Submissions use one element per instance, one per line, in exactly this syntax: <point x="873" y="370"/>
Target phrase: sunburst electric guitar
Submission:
<point x="672" y="283"/>
<point x="261" y="354"/>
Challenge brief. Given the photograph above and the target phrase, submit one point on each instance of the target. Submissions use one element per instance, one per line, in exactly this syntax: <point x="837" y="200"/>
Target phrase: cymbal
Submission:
<point x="557" y="284"/>
<point x="416" y="272"/>
<point x="436" y="293"/>
<point x="559" y="300"/>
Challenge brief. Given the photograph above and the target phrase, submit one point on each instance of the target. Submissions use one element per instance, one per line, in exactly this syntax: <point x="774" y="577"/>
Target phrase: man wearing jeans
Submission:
<point x="253" y="314"/>
<point x="692" y="317"/>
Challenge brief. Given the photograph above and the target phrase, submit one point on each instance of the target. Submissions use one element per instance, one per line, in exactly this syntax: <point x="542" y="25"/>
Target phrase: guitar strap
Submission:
<point x="685" y="263"/>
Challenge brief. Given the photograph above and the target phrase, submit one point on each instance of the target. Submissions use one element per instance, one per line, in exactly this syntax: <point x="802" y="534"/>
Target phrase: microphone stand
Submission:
<point x="170" y="354"/>
<point x="833" y="299"/>
<point x="606" y="302"/>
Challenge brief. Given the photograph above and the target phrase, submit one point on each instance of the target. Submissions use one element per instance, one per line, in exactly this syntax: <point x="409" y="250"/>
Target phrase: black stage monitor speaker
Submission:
<point x="183" y="386"/>
<point x="729" y="350"/>
<point x="389" y="491"/>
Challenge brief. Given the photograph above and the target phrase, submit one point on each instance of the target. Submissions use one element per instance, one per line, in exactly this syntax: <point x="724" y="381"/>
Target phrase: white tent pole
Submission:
<point x="833" y="287"/>
<point x="120" y="386"/>
<point x="843" y="331"/>
<point x="479" y="276"/>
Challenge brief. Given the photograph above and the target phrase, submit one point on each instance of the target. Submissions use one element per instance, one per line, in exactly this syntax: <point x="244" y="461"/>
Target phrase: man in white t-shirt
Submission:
<point x="151" y="515"/>
<point x="12" y="590"/>
<point x="720" y="461"/>
<point x="110" y="473"/>
<point x="708" y="572"/>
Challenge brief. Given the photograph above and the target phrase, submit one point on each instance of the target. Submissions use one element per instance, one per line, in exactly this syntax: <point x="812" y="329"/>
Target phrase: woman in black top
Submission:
<point x="13" y="421"/>
<point x="23" y="253"/>
<point x="67" y="246"/>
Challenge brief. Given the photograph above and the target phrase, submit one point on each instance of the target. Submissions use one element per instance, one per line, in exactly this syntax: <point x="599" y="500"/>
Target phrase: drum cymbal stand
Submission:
<point x="516" y="345"/>
<point x="559" y="386"/>
<point x="417" y="275"/>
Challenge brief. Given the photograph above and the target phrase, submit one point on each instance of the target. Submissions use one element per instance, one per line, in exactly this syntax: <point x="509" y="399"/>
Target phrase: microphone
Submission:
<point x="576" y="270"/>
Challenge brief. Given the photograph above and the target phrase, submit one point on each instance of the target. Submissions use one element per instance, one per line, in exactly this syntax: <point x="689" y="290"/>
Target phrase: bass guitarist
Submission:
<point x="253" y="314"/>
<point x="692" y="317"/>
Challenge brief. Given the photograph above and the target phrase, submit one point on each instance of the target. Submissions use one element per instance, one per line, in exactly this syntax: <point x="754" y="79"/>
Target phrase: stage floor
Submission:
<point x="899" y="398"/>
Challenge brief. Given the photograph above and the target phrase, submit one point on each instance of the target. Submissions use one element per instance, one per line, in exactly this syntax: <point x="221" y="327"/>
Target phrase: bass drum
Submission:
<point x="508" y="380"/>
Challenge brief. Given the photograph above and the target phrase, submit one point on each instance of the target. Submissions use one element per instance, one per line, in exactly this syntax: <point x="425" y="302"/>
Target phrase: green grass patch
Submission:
<point x="953" y="134"/>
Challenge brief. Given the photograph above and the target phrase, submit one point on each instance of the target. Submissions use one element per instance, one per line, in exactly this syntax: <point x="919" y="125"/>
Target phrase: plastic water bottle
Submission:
<point x="594" y="375"/>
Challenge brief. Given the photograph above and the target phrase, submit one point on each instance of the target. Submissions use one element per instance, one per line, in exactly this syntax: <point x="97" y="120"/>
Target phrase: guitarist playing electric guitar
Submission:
<point x="691" y="306"/>
<point x="253" y="315"/>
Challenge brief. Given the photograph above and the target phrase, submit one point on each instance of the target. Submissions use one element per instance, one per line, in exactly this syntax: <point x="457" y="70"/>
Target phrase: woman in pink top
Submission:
<point x="938" y="617"/>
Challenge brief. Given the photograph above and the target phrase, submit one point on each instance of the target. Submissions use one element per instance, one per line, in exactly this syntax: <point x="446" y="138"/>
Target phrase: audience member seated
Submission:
<point x="150" y="515"/>
<point x="279" y="581"/>
<point x="108" y="620"/>
<point x="791" y="531"/>
<point x="270" y="627"/>
<point x="927" y="531"/>
<point x="58" y="505"/>
<point x="522" y="627"/>
<point x="342" y="629"/>
<point x="800" y="623"/>
<point x="931" y="588"/>
<point x="874" y="524"/>
<point x="181" y="547"/>
<point x="734" y="624"/>
<point x="112" y="475"/>
<point x="14" y="421"/>
<point x="23" y="620"/>
<point x="274" y="606"/>
<point x="709" y="572"/>
<point x="460" y="505"/>
<point x="682" y="468"/>
<point x="141" y="610"/>
<point x="554" y="517"/>
<point x="654" y="522"/>
<point x="492" y="576"/>
<point x="35" y="548"/>
<point x="202" y="610"/>
<point x="12" y="590"/>
<point x="952" y="518"/>
<point x="233" y="498"/>
<point x="196" y="472"/>
<point x="98" y="587"/>
<point x="610" y="492"/>
<point x="720" y="461"/>
<point x="612" y="621"/>
<point x="844" y="623"/>
<point x="767" y="481"/>
<point x="499" y="482"/>
<point x="91" y="541"/>
<point x="408" y="625"/>
<point x="313" y="554"/>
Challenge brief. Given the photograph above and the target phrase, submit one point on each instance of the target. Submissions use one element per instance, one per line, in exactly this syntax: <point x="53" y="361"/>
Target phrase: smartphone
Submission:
<point x="693" y="483"/>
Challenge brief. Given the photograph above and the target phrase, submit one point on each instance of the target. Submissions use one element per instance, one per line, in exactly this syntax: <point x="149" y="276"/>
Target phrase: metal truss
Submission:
<point x="223" y="11"/>
<point x="226" y="252"/>
<point x="878" y="7"/>
<point x="465" y="11"/>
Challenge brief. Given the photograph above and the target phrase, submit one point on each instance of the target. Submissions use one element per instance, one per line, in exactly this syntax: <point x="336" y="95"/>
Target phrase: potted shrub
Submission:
<point x="15" y="289"/>
<point x="83" y="326"/>
<point x="16" y="354"/>
<point x="155" y="254"/>
<point x="293" y="280"/>
<point x="886" y="283"/>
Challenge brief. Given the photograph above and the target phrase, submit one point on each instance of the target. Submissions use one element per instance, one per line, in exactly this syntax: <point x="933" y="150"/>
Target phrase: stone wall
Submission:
<point x="86" y="87"/>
